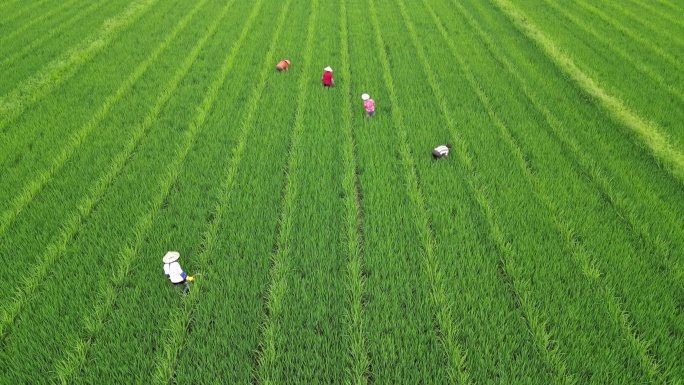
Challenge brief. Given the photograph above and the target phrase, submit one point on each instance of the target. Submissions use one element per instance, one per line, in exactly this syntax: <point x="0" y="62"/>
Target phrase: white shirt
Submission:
<point x="175" y="272"/>
<point x="443" y="150"/>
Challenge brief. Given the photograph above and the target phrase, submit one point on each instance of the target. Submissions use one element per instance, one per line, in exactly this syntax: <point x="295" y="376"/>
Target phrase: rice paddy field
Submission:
<point x="328" y="246"/>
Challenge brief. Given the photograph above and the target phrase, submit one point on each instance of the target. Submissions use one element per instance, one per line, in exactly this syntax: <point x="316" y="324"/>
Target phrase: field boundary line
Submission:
<point x="54" y="31"/>
<point x="638" y="64"/>
<point x="34" y="21"/>
<point x="589" y="165"/>
<point x="28" y="92"/>
<point x="620" y="27"/>
<point x="512" y="274"/>
<point x="454" y="353"/>
<point x="359" y="362"/>
<point x="267" y="353"/>
<point x="32" y="188"/>
<point x="68" y="367"/>
<point x="579" y="253"/>
<point x="648" y="132"/>
<point x="166" y="363"/>
<point x="72" y="226"/>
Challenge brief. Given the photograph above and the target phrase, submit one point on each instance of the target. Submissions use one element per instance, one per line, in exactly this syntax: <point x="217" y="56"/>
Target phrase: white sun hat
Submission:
<point x="327" y="69"/>
<point x="171" y="256"/>
<point x="365" y="96"/>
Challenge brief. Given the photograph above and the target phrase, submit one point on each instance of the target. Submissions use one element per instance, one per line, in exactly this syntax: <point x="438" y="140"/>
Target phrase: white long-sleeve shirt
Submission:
<point x="443" y="150"/>
<point x="174" y="272"/>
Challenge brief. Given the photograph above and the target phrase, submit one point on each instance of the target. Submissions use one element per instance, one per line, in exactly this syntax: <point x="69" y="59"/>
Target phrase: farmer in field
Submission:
<point x="368" y="104"/>
<point x="174" y="272"/>
<point x="283" y="65"/>
<point x="441" y="151"/>
<point x="327" y="78"/>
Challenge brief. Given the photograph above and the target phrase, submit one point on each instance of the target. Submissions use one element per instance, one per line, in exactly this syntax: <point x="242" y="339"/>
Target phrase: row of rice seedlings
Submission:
<point x="131" y="253"/>
<point x="310" y="345"/>
<point x="108" y="224"/>
<point x="402" y="342"/>
<point x="454" y="353"/>
<point x="533" y="240"/>
<point x="283" y="332"/>
<point x="646" y="45"/>
<point x="647" y="131"/>
<point x="671" y="227"/>
<point x="17" y="11"/>
<point x="34" y="186"/>
<point x="54" y="74"/>
<point x="626" y="84"/>
<point x="558" y="188"/>
<point x="628" y="274"/>
<point x="19" y="48"/>
<point x="358" y="363"/>
<point x="230" y="310"/>
<point x="183" y="321"/>
<point x="661" y="29"/>
<point x="646" y="198"/>
<point x="186" y="212"/>
<point x="648" y="65"/>
<point x="34" y="21"/>
<point x="464" y="248"/>
<point x="100" y="159"/>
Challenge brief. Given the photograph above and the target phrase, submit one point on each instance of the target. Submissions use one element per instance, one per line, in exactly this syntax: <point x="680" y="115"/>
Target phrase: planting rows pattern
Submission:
<point x="329" y="246"/>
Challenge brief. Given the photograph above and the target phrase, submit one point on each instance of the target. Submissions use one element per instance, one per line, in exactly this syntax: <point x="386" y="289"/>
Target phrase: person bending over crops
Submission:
<point x="441" y="151"/>
<point x="327" y="78"/>
<point x="173" y="270"/>
<point x="283" y="65"/>
<point x="368" y="104"/>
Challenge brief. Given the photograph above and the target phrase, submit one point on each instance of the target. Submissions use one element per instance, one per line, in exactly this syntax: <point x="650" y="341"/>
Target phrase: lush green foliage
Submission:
<point x="330" y="247"/>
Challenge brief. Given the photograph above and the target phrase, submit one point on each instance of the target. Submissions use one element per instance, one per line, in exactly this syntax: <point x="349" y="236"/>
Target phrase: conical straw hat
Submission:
<point x="171" y="256"/>
<point x="327" y="69"/>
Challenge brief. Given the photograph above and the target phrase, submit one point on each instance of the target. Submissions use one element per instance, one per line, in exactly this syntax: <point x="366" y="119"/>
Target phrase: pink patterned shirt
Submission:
<point x="370" y="105"/>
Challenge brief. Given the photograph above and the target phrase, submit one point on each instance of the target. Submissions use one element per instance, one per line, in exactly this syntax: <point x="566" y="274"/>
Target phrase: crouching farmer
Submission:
<point x="174" y="272"/>
<point x="441" y="151"/>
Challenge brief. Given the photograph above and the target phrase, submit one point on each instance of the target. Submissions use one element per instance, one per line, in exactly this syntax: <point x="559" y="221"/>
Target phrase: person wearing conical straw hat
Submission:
<point x="173" y="270"/>
<point x="283" y="65"/>
<point x="441" y="151"/>
<point x="368" y="104"/>
<point x="327" y="78"/>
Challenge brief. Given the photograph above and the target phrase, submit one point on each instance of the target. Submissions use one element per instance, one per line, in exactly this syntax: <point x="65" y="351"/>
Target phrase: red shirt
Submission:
<point x="327" y="78"/>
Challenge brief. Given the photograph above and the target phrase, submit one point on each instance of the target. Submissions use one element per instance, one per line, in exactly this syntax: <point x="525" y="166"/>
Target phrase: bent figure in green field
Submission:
<point x="174" y="272"/>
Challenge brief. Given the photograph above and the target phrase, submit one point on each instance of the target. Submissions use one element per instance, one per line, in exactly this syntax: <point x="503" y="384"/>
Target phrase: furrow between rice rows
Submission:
<point x="56" y="31"/>
<point x="36" y="20"/>
<point x="518" y="284"/>
<point x="32" y="188"/>
<point x="648" y="132"/>
<point x="642" y="67"/>
<point x="452" y="350"/>
<point x="267" y="353"/>
<point x="76" y="357"/>
<point x="71" y="226"/>
<point x="167" y="361"/>
<point x="61" y="69"/>
<point x="581" y="256"/>
<point x="645" y="43"/>
<point x="590" y="166"/>
<point x="359" y="362"/>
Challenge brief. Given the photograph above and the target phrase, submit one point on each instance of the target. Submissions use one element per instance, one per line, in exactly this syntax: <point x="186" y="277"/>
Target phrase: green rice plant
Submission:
<point x="27" y="48"/>
<point x="358" y="365"/>
<point x="649" y="132"/>
<point x="31" y="189"/>
<point x="52" y="75"/>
